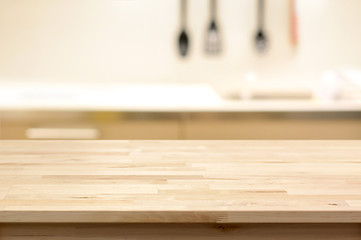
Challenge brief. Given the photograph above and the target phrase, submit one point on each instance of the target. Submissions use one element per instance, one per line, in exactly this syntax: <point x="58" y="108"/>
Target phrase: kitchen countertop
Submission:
<point x="180" y="181"/>
<point x="152" y="98"/>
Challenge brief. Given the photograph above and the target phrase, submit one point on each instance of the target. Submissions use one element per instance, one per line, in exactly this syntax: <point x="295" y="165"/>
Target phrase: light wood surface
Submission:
<point x="180" y="181"/>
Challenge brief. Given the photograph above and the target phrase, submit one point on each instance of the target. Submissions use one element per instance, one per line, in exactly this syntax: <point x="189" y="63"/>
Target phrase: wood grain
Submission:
<point x="180" y="181"/>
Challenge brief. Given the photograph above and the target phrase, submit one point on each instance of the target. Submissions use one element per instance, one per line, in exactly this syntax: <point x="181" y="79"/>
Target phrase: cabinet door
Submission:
<point x="273" y="129"/>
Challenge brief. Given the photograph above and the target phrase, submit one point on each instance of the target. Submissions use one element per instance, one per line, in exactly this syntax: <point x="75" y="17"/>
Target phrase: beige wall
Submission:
<point x="134" y="40"/>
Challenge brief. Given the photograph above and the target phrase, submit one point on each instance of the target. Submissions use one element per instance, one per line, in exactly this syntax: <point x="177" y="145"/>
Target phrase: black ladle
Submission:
<point x="261" y="39"/>
<point x="183" y="39"/>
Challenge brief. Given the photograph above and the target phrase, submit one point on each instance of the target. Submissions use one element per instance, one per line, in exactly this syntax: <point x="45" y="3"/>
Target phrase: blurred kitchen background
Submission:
<point x="113" y="69"/>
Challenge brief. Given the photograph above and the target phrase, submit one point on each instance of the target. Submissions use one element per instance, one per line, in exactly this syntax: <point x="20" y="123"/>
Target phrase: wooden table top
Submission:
<point x="180" y="181"/>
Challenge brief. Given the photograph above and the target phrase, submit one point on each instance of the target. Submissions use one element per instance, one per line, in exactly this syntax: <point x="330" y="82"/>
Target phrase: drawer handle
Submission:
<point x="62" y="133"/>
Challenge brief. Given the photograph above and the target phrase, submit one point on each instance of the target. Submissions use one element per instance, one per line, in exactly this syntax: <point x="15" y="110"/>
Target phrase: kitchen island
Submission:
<point x="172" y="112"/>
<point x="180" y="190"/>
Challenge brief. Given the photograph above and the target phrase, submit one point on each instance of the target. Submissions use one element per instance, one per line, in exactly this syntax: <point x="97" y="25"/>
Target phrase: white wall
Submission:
<point x="135" y="40"/>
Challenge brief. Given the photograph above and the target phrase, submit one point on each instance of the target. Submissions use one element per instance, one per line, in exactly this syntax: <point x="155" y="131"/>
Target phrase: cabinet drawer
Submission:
<point x="143" y="129"/>
<point x="11" y="131"/>
<point x="45" y="125"/>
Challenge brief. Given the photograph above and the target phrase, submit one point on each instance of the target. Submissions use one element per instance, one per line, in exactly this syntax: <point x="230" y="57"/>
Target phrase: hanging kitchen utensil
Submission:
<point x="183" y="39"/>
<point x="293" y="23"/>
<point x="261" y="39"/>
<point x="213" y="41"/>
